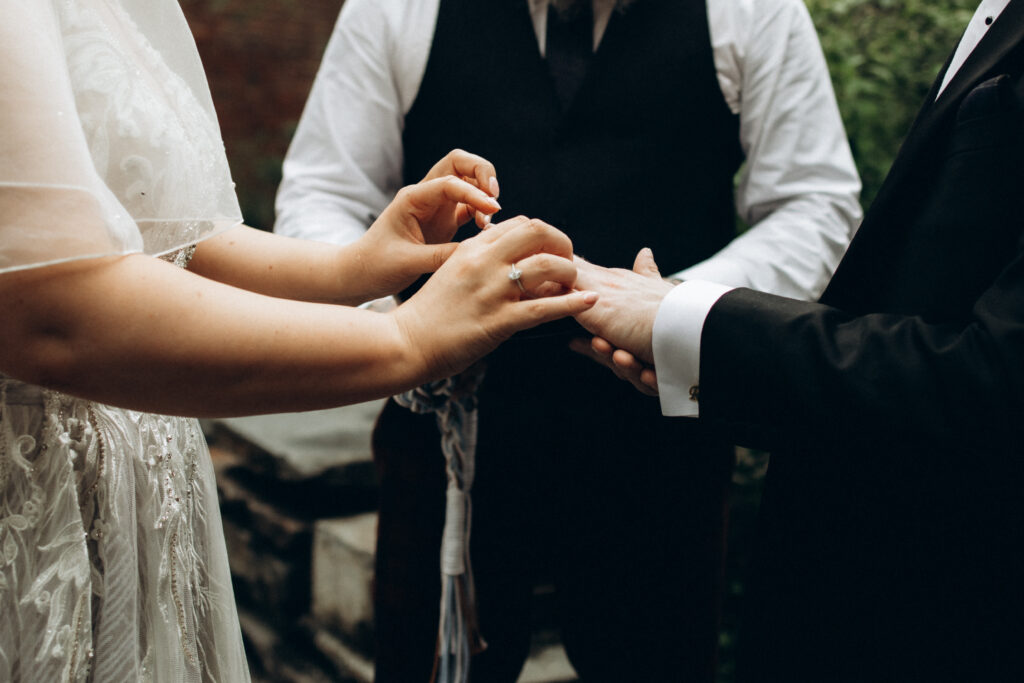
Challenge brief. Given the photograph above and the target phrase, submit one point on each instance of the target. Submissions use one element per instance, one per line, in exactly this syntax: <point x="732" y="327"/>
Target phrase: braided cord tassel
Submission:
<point x="453" y="401"/>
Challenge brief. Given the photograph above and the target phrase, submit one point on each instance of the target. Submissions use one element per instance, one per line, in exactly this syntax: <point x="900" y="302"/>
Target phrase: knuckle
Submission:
<point x="535" y="307"/>
<point x="512" y="223"/>
<point x="537" y="226"/>
<point x="546" y="263"/>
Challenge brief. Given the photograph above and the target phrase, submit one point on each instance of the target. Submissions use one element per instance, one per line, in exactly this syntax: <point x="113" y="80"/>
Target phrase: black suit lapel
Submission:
<point x="1002" y="37"/>
<point x="919" y="151"/>
<point x="1005" y="34"/>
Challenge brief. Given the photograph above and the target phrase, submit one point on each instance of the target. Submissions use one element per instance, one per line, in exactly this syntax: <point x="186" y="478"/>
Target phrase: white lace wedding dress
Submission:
<point x="112" y="559"/>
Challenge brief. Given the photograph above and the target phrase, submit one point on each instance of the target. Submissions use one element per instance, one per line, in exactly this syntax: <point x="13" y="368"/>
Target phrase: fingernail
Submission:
<point x="590" y="298"/>
<point x="495" y="190"/>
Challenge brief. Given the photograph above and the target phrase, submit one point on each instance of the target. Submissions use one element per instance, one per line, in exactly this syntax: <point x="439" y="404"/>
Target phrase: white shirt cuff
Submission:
<point x="676" y="342"/>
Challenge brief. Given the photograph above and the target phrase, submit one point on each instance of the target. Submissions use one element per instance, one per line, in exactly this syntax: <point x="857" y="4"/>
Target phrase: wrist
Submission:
<point x="355" y="275"/>
<point x="412" y="348"/>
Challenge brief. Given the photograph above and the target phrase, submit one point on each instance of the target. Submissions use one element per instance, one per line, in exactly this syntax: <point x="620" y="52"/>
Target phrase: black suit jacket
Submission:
<point x="892" y="540"/>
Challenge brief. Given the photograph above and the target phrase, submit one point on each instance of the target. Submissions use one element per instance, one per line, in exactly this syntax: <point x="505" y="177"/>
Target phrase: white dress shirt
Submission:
<point x="681" y="316"/>
<point x="799" y="187"/>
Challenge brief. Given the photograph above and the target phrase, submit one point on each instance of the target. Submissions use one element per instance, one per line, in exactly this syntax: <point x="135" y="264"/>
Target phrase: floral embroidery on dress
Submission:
<point x="150" y="140"/>
<point x="107" y="517"/>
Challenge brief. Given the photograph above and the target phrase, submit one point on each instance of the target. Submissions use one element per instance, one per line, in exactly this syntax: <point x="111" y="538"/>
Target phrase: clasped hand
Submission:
<point x="470" y="304"/>
<point x="623" y="318"/>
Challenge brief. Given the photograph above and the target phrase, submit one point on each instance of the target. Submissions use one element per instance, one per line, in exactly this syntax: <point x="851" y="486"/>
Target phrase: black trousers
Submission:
<point x="580" y="483"/>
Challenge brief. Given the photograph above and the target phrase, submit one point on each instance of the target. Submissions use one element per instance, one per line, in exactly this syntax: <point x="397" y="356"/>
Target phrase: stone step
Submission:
<point x="269" y="550"/>
<point x="317" y="464"/>
<point x="284" y="655"/>
<point x="309" y="444"/>
<point x="342" y="576"/>
<point x="547" y="663"/>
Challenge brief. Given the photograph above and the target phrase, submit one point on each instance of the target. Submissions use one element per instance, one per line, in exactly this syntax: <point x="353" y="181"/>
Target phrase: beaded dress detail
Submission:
<point x="112" y="559"/>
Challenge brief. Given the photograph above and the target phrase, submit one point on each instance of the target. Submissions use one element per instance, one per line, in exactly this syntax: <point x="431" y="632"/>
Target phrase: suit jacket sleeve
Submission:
<point x="775" y="371"/>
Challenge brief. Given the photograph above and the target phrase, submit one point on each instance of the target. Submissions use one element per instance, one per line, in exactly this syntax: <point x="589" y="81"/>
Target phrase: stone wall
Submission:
<point x="297" y="498"/>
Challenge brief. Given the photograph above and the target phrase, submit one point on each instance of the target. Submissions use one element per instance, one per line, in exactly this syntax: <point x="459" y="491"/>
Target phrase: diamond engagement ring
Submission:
<point x="515" y="276"/>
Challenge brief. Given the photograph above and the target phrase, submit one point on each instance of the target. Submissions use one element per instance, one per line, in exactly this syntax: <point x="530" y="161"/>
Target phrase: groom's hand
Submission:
<point x="622" y="363"/>
<point x="624" y="315"/>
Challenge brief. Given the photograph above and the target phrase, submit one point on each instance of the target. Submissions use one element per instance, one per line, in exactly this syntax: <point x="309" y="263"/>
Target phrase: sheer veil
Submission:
<point x="109" y="141"/>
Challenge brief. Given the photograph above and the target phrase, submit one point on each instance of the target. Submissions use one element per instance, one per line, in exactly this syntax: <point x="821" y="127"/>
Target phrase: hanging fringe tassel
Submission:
<point x="453" y="401"/>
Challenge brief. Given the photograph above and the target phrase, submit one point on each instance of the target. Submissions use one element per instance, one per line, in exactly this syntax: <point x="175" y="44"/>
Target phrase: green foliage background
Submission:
<point x="883" y="56"/>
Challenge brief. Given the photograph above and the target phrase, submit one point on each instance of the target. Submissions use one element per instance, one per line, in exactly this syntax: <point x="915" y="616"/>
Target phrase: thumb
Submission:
<point x="645" y="265"/>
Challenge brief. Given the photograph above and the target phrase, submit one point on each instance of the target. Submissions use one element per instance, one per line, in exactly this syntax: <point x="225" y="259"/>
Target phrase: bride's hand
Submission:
<point x="476" y="171"/>
<point x="412" y="234"/>
<point x="471" y="304"/>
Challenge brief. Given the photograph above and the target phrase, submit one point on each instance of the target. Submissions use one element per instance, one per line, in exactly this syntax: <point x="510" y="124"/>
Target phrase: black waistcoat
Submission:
<point x="644" y="156"/>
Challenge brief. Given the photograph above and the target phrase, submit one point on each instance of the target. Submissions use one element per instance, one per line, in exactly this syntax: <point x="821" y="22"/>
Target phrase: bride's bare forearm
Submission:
<point x="284" y="267"/>
<point x="180" y="344"/>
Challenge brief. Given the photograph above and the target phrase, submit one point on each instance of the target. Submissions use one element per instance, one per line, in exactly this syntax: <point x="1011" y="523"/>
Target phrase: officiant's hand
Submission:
<point x="471" y="304"/>
<point x="623" y="319"/>
<point x="412" y="235"/>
